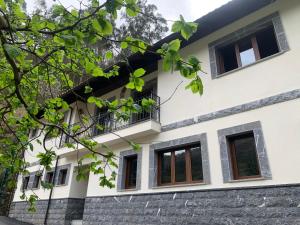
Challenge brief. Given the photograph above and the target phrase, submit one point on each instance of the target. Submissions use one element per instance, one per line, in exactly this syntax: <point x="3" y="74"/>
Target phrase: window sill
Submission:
<point x="249" y="65"/>
<point x="247" y="179"/>
<point x="178" y="185"/>
<point x="34" y="189"/>
<point x="128" y="190"/>
<point x="60" y="185"/>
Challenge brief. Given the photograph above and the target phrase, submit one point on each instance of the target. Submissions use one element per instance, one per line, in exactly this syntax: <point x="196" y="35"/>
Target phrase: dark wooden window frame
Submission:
<point x="27" y="179"/>
<point x="234" y="164"/>
<point x="237" y="54"/>
<point x="39" y="177"/>
<point x="188" y="166"/>
<point x="128" y="161"/>
<point x="47" y="177"/>
<point x="59" y="179"/>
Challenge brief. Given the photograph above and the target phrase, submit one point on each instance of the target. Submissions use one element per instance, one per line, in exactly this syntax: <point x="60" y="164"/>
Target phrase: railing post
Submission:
<point x="151" y="96"/>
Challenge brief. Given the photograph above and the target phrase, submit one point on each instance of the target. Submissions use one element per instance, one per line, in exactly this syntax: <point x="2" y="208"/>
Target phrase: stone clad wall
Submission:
<point x="61" y="211"/>
<point x="245" y="206"/>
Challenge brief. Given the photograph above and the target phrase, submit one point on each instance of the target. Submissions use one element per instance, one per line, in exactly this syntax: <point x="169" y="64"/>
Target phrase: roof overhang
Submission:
<point x="215" y="20"/>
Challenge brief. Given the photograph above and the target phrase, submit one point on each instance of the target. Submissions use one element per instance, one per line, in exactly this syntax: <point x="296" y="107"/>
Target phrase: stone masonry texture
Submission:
<point x="61" y="211"/>
<point x="269" y="205"/>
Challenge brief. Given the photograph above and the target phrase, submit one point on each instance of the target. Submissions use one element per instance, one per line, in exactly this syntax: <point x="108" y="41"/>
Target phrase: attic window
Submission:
<point x="259" y="40"/>
<point x="247" y="50"/>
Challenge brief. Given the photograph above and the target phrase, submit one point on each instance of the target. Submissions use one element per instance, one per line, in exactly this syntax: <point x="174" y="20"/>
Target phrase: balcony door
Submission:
<point x="104" y="119"/>
<point x="149" y="91"/>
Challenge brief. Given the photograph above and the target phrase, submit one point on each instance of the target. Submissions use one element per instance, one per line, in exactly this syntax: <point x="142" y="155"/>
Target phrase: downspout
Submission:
<point x="51" y="191"/>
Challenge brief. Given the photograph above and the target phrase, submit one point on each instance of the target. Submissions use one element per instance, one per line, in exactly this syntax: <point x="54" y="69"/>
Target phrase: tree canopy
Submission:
<point x="41" y="52"/>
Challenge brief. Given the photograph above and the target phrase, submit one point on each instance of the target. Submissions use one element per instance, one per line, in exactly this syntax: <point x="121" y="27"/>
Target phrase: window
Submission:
<point x="243" y="156"/>
<point x="131" y="172"/>
<point x="243" y="152"/>
<point x="49" y="177"/>
<point x="104" y="119"/>
<point x="247" y="50"/>
<point x="36" y="181"/>
<point x="261" y="39"/>
<point x="34" y="132"/>
<point x="25" y="183"/>
<point x="62" y="177"/>
<point x="181" y="165"/>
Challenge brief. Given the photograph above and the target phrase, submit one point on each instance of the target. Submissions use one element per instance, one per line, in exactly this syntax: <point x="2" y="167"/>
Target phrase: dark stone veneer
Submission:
<point x="264" y="205"/>
<point x="61" y="211"/>
<point x="268" y="205"/>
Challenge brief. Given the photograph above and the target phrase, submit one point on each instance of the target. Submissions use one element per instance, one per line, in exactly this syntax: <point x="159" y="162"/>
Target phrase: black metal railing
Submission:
<point x="107" y="122"/>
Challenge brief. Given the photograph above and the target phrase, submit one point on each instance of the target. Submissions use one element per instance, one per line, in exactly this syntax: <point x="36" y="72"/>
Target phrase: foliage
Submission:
<point x="147" y="25"/>
<point x="47" y="50"/>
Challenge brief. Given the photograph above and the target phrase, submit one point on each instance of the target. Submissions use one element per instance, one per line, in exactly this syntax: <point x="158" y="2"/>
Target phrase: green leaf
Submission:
<point x="176" y="27"/>
<point x="131" y="12"/>
<point x="186" y="29"/>
<point x="98" y="102"/>
<point x="139" y="72"/>
<point x="96" y="26"/>
<point x="2" y="5"/>
<point x="124" y="45"/>
<point x="12" y="50"/>
<point x="75" y="128"/>
<point x="98" y="72"/>
<point x="89" y="66"/>
<point x="167" y="62"/>
<point x="196" y="86"/>
<point x="30" y="146"/>
<point x="174" y="45"/>
<point x="87" y="89"/>
<point x="109" y="55"/>
<point x="136" y="147"/>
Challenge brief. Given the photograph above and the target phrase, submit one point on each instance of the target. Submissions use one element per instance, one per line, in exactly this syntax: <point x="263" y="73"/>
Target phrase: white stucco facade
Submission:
<point x="269" y="77"/>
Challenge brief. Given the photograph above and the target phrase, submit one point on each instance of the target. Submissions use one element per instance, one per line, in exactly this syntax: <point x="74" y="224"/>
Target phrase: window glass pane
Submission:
<point x="131" y="171"/>
<point x="62" y="176"/>
<point x="196" y="163"/>
<point x="227" y="60"/>
<point x="25" y="182"/>
<point x="166" y="167"/>
<point x="267" y="42"/>
<point x="49" y="177"/>
<point x="180" y="175"/>
<point x="245" y="154"/>
<point x="246" y="52"/>
<point x="36" y="181"/>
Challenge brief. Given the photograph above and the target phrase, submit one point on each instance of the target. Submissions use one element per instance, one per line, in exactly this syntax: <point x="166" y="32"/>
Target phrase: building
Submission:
<point x="230" y="156"/>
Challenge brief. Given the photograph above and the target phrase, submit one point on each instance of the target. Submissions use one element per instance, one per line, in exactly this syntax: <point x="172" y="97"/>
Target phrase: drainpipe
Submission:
<point x="51" y="191"/>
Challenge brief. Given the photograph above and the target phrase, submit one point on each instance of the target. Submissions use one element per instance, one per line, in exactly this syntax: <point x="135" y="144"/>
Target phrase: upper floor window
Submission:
<point x="250" y="44"/>
<point x="247" y="50"/>
<point x="181" y="165"/>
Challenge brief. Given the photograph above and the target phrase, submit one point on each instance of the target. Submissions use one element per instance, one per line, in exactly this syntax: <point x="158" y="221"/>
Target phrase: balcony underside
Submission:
<point x="132" y="132"/>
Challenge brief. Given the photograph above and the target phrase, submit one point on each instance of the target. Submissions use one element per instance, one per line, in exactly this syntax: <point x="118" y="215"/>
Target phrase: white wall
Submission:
<point x="280" y="122"/>
<point x="280" y="125"/>
<point x="276" y="75"/>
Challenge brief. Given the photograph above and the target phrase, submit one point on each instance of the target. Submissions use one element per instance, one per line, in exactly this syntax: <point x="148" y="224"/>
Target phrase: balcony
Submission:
<point x="143" y="123"/>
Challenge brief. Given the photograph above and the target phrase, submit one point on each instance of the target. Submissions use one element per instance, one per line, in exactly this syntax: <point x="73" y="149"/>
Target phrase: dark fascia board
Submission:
<point x="215" y="20"/>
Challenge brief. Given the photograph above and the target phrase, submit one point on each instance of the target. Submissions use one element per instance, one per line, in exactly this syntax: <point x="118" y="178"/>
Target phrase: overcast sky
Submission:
<point x="170" y="9"/>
